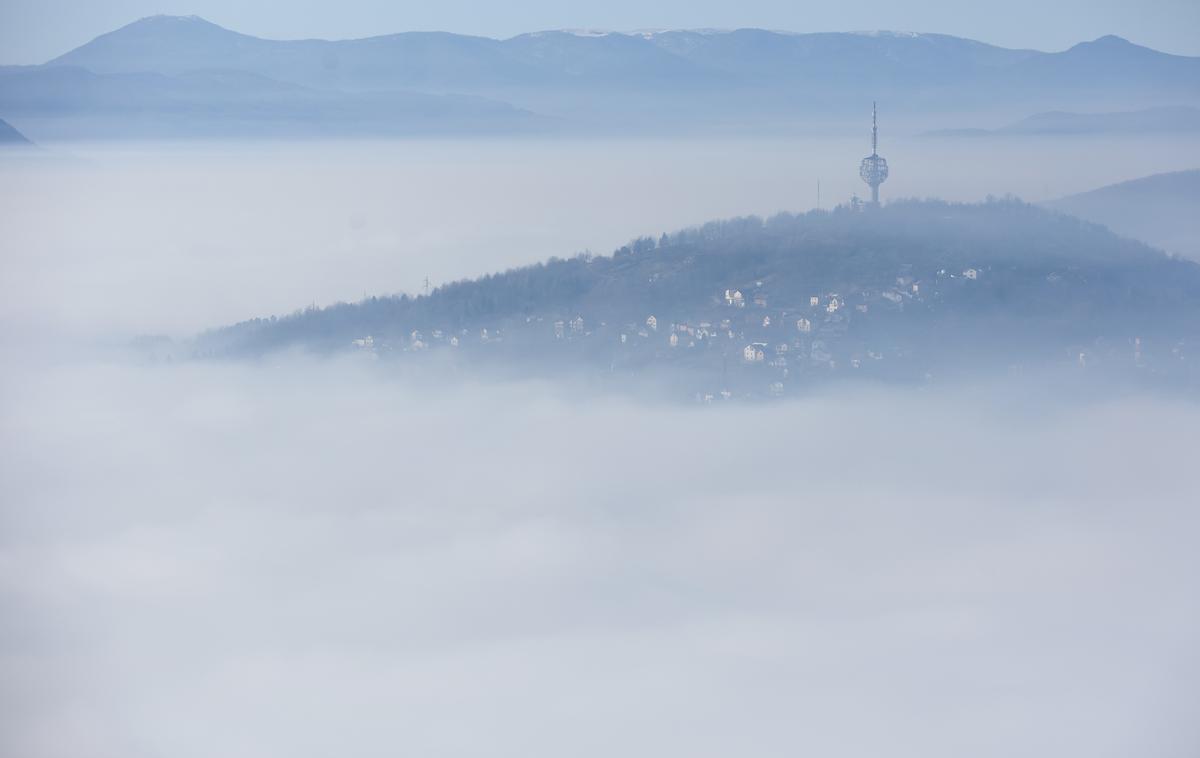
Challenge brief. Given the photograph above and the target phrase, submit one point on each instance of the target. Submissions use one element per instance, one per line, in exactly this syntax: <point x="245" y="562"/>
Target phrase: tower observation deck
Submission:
<point x="874" y="168"/>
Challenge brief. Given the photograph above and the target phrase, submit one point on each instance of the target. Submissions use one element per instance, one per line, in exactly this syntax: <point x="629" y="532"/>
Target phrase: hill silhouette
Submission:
<point x="1158" y="209"/>
<point x="10" y="136"/>
<point x="922" y="284"/>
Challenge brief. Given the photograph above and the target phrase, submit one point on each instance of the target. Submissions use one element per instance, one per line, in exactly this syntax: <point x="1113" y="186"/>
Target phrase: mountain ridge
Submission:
<point x="168" y="44"/>
<point x="1178" y="118"/>
<point x="750" y="80"/>
<point x="1158" y="209"/>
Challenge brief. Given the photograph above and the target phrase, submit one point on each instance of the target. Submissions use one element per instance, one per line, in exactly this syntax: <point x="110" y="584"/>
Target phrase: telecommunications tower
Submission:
<point x="874" y="169"/>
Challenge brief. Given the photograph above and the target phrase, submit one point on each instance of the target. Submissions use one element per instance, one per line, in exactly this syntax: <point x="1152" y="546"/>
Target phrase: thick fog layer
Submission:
<point x="302" y="558"/>
<point x="313" y="558"/>
<point x="138" y="239"/>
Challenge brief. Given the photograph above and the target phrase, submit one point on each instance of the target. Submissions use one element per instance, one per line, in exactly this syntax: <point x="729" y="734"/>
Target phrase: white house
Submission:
<point x="652" y="323"/>
<point x="753" y="353"/>
<point x="804" y="325"/>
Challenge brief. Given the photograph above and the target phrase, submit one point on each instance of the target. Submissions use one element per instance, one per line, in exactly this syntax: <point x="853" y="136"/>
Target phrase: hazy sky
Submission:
<point x="32" y="31"/>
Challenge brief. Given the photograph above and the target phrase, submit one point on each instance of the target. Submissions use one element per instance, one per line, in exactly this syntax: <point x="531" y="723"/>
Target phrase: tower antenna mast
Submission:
<point x="874" y="131"/>
<point x="874" y="169"/>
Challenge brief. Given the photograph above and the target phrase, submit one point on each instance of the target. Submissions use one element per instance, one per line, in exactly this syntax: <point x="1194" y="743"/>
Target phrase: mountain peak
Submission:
<point x="162" y="19"/>
<point x="1109" y="43"/>
<point x="145" y="44"/>
<point x="164" y="24"/>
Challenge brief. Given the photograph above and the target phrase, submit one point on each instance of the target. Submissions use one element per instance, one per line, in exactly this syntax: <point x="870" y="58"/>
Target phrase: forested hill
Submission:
<point x="906" y="274"/>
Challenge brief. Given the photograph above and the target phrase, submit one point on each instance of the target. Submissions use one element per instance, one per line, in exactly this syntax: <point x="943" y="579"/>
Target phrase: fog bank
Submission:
<point x="311" y="558"/>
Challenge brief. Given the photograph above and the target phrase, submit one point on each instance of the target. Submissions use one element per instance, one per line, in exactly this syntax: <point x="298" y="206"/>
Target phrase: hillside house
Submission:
<point x="754" y="353"/>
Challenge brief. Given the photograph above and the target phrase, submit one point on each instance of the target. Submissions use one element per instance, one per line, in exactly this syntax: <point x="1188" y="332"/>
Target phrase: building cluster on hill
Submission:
<point x="752" y="341"/>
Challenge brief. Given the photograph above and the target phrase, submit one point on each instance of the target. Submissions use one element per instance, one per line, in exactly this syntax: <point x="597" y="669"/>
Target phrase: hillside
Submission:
<point x="895" y="292"/>
<point x="1159" y="209"/>
<point x="10" y="136"/>
<point x="747" y="79"/>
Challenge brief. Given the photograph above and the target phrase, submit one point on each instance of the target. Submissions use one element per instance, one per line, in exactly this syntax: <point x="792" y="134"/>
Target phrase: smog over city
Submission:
<point x="696" y="380"/>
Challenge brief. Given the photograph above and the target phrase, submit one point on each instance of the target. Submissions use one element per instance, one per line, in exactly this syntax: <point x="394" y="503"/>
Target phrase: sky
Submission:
<point x="32" y="31"/>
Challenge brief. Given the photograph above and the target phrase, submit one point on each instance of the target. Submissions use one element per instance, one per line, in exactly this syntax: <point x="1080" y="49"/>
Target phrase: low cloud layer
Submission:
<point x="315" y="557"/>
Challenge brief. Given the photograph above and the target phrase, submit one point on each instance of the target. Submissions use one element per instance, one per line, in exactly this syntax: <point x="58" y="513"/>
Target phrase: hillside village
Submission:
<point x="749" y="308"/>
<point x="750" y="342"/>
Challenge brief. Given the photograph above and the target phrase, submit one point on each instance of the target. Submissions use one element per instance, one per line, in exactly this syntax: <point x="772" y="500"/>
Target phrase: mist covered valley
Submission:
<point x="319" y="553"/>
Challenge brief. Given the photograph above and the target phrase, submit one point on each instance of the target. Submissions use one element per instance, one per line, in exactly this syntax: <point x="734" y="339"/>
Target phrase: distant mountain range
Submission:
<point x="1163" y="120"/>
<point x="179" y="75"/>
<point x="1159" y="209"/>
<point x="894" y="292"/>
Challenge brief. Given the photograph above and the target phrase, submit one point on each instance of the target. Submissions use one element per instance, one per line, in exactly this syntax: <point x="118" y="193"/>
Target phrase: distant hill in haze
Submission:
<point x="10" y="136"/>
<point x="894" y="292"/>
<point x="1161" y="120"/>
<point x="651" y="81"/>
<point x="72" y="102"/>
<point x="1159" y="209"/>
